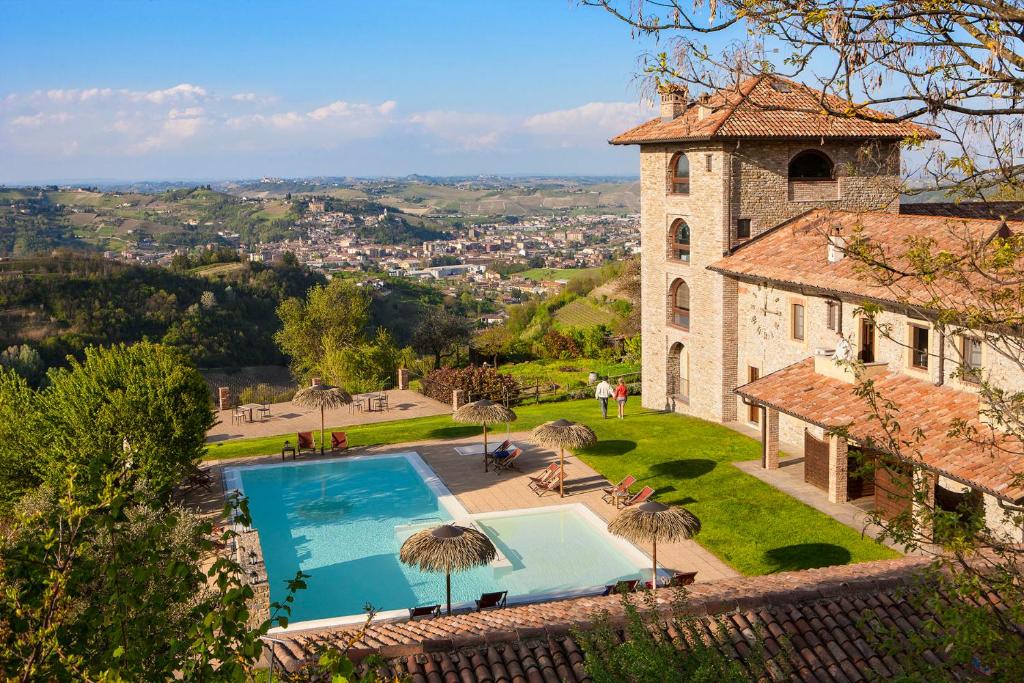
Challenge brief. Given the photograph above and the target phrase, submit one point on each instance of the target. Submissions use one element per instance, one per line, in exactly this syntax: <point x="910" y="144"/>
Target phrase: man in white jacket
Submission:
<point x="603" y="393"/>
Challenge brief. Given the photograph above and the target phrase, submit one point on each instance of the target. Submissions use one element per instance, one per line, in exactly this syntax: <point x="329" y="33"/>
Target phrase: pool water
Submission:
<point x="336" y="521"/>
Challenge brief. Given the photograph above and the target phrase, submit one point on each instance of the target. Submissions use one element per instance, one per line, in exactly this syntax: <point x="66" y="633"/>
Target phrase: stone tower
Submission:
<point x="715" y="173"/>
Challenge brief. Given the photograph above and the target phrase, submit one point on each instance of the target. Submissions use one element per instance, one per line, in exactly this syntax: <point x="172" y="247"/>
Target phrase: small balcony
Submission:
<point x="813" y="190"/>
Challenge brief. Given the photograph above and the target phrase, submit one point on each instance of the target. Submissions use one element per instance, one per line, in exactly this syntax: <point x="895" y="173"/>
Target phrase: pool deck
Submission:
<point x="480" y="491"/>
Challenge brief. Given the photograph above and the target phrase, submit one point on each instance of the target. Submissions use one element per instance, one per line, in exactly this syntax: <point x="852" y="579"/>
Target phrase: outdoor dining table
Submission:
<point x="250" y="408"/>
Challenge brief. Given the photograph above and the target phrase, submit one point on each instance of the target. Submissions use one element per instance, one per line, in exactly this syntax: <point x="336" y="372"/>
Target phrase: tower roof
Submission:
<point x="769" y="106"/>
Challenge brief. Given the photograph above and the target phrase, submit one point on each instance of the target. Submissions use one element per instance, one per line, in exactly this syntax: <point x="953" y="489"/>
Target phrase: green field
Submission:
<point x="750" y="525"/>
<point x="548" y="274"/>
<point x="583" y="313"/>
<point x="567" y="374"/>
<point x="215" y="269"/>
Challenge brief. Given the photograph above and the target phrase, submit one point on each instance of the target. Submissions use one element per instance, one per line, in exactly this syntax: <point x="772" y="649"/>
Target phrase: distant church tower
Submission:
<point x="714" y="174"/>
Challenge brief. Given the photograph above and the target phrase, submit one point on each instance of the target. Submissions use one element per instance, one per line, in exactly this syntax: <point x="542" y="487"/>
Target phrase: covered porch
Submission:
<point x="891" y="471"/>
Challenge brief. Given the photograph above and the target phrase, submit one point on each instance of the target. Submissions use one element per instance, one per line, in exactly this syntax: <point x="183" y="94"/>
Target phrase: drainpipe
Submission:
<point x="942" y="359"/>
<point x="764" y="428"/>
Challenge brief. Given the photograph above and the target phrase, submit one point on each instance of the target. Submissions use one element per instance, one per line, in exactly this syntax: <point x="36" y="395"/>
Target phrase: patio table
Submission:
<point x="249" y="408"/>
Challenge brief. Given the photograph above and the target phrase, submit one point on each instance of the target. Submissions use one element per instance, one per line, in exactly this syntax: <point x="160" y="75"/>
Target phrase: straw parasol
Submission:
<point x="564" y="434"/>
<point x="484" y="412"/>
<point x="653" y="521"/>
<point x="322" y="396"/>
<point x="447" y="548"/>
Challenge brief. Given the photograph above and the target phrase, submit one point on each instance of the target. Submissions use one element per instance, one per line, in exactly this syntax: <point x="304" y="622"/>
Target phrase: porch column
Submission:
<point x="771" y="439"/>
<point x="923" y="501"/>
<point x="837" y="469"/>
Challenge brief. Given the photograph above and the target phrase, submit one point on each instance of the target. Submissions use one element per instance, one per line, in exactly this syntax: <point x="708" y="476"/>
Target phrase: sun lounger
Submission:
<point x="624" y="586"/>
<point x="425" y="611"/>
<point x="678" y="579"/>
<point x="508" y="462"/>
<point x="551" y="485"/>
<point x="306" y="442"/>
<point x="491" y="600"/>
<point x="544" y="476"/>
<point x="645" y="493"/>
<point x="339" y="441"/>
<point x="613" y="493"/>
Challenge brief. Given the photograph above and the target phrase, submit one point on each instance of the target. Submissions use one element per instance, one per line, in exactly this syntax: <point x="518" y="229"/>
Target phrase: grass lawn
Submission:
<point x="750" y="525"/>
<point x="548" y="274"/>
<point x="567" y="374"/>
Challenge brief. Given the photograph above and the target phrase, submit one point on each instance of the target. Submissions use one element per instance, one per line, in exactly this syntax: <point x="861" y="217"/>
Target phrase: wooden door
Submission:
<point x="867" y="341"/>
<point x="815" y="461"/>
<point x="753" y="412"/>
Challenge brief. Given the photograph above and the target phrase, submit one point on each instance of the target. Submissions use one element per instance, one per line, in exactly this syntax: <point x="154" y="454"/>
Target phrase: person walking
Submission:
<point x="603" y="393"/>
<point x="620" y="397"/>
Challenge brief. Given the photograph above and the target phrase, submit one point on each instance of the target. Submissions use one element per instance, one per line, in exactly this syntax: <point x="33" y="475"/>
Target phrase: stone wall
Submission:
<point x="727" y="182"/>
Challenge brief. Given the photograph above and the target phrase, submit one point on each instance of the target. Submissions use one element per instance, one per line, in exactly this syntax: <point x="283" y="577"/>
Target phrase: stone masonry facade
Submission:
<point x="729" y="181"/>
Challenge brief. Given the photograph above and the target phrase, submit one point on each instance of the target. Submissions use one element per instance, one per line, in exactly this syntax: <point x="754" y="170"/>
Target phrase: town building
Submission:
<point x="747" y="198"/>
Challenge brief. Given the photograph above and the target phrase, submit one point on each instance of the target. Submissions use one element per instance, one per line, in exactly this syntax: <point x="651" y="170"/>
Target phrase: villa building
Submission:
<point x="747" y="196"/>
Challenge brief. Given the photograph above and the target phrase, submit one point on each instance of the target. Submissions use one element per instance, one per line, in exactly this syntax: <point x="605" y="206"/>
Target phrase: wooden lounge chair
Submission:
<point x="550" y="486"/>
<point x="503" y="446"/>
<point x="425" y="611"/>
<point x="306" y="442"/>
<point x="491" y="600"/>
<point x="623" y="586"/>
<point x="612" y="493"/>
<point x="678" y="579"/>
<point x="508" y="462"/>
<point x="544" y="476"/>
<point x="339" y="441"/>
<point x="645" y="493"/>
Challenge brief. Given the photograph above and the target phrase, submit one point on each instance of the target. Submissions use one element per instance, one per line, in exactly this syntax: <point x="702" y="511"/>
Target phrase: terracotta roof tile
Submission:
<point x="799" y="391"/>
<point x="796" y="252"/>
<point x="770" y="106"/>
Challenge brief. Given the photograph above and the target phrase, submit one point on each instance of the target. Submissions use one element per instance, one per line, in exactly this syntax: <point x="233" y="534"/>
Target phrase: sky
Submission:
<point x="219" y="89"/>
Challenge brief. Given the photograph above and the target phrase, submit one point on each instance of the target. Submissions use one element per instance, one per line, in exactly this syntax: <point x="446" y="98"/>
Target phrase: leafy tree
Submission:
<point x="494" y="341"/>
<point x="331" y="317"/>
<point x="25" y="361"/>
<point x="17" y="438"/>
<point x="363" y="367"/>
<point x="440" y="334"/>
<point x="141" y="409"/>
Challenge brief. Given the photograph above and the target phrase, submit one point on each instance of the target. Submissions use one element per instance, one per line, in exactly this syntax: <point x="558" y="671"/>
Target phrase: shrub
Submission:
<point x="558" y="345"/>
<point x="476" y="382"/>
<point x="264" y="393"/>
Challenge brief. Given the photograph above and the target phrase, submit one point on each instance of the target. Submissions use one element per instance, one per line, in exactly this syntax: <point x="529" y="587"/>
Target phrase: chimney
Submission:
<point x="703" y="109"/>
<point x="673" y="102"/>
<point x="836" y="246"/>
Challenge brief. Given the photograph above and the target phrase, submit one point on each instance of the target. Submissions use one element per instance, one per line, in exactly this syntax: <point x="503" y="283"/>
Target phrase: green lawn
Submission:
<point x="747" y="523"/>
<point x="539" y="274"/>
<point x="568" y="374"/>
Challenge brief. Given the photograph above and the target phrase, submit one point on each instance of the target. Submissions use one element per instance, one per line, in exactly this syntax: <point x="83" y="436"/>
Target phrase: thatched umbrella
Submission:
<point x="484" y="412"/>
<point x="447" y="548"/>
<point x="322" y="396"/>
<point x="564" y="434"/>
<point x="653" y="521"/>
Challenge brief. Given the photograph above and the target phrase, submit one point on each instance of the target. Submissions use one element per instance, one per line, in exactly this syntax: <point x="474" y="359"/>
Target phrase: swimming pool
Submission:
<point x="343" y="521"/>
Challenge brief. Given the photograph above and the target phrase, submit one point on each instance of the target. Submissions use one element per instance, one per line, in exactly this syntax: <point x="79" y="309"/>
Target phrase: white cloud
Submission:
<point x="593" y="118"/>
<point x="465" y="130"/>
<point x="40" y="119"/>
<point x="182" y="92"/>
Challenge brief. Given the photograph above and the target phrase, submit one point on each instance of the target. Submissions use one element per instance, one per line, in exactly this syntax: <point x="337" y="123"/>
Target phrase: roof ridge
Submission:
<point x="754" y="82"/>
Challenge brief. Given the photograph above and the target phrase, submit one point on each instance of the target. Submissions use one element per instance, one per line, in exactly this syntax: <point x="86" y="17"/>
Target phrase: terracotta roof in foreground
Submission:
<point x="799" y="391"/>
<point x="796" y="253"/>
<point x="771" y="107"/>
<point x="814" y="625"/>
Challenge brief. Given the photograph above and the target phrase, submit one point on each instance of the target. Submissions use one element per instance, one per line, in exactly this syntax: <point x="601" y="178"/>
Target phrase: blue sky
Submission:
<point x="219" y="89"/>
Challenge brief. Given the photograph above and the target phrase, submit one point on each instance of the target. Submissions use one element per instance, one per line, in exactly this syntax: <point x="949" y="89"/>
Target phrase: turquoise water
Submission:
<point x="335" y="520"/>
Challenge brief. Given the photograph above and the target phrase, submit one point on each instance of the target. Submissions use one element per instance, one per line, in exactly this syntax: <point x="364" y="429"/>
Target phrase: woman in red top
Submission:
<point x="620" y="397"/>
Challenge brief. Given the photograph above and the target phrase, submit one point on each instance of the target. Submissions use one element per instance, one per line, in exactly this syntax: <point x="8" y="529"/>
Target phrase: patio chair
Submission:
<point x="264" y="411"/>
<point x="237" y="415"/>
<point x="544" y="476"/>
<point x="503" y="446"/>
<point x="491" y="600"/>
<point x="623" y="586"/>
<point x="339" y="441"/>
<point x="645" y="493"/>
<point x="356" y="405"/>
<point x="430" y="611"/>
<point x="306" y="442"/>
<point x="613" y="493"/>
<point x="677" y="580"/>
<point x="382" y="400"/>
<point x="507" y="463"/>
<point x="550" y="486"/>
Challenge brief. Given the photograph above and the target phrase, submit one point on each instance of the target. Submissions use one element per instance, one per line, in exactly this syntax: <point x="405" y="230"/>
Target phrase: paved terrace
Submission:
<point x="289" y="417"/>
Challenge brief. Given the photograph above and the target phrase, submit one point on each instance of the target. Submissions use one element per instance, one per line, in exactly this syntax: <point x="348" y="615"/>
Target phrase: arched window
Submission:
<point x="679" y="174"/>
<point x="679" y="315"/>
<point x="679" y="240"/>
<point x="811" y="165"/>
